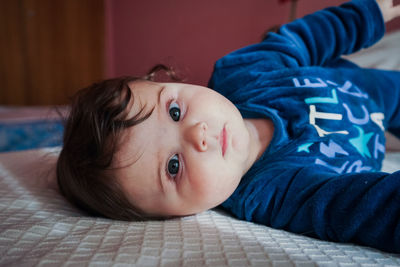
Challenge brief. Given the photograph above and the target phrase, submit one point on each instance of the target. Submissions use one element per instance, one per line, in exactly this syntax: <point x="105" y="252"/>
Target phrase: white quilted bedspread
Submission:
<point x="39" y="228"/>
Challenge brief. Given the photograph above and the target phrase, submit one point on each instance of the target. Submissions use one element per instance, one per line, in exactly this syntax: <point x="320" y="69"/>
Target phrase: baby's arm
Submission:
<point x="314" y="40"/>
<point x="388" y="10"/>
<point x="362" y="208"/>
<point x="327" y="34"/>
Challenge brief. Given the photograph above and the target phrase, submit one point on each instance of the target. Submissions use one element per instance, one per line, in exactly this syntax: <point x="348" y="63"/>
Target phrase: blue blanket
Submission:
<point x="30" y="135"/>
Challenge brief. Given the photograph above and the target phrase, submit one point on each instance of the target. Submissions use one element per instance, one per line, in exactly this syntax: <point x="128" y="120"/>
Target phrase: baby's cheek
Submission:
<point x="201" y="184"/>
<point x="203" y="189"/>
<point x="207" y="179"/>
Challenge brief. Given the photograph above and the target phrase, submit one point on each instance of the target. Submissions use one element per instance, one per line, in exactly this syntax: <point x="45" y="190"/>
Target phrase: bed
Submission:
<point x="40" y="228"/>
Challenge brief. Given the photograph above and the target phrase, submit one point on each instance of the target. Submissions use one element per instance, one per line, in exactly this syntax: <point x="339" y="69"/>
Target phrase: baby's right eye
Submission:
<point x="174" y="111"/>
<point x="173" y="166"/>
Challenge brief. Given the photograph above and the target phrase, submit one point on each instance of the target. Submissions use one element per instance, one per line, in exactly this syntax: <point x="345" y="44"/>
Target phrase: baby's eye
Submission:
<point x="174" y="111"/>
<point x="173" y="166"/>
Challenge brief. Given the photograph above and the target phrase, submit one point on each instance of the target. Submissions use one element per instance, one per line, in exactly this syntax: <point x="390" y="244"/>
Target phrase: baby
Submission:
<point x="290" y="136"/>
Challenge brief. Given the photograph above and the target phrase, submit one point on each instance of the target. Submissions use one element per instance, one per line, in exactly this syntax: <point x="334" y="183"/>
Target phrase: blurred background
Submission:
<point x="51" y="48"/>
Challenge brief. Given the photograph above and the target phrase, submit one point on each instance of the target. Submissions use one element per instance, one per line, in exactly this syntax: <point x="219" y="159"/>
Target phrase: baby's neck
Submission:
<point x="261" y="131"/>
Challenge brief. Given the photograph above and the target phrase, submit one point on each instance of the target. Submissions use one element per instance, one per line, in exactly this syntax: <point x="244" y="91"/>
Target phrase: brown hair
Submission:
<point x="84" y="168"/>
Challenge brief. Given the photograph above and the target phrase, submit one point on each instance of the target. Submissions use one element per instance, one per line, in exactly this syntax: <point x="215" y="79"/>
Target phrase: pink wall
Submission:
<point x="190" y="35"/>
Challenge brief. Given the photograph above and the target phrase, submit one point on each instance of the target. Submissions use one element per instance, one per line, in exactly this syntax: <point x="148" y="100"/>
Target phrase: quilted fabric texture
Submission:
<point x="39" y="228"/>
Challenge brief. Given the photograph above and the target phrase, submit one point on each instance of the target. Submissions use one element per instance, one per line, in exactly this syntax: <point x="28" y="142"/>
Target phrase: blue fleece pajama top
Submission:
<point x="320" y="175"/>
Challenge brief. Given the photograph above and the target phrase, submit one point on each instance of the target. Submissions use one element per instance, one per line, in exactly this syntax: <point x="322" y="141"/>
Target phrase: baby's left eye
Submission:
<point x="173" y="166"/>
<point x="174" y="111"/>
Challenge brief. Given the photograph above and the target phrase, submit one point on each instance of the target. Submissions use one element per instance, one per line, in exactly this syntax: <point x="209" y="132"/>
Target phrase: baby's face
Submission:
<point x="189" y="155"/>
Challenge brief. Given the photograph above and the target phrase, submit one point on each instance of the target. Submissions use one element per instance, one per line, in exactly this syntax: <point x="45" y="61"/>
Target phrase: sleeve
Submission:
<point x="313" y="40"/>
<point x="327" y="34"/>
<point x="361" y="208"/>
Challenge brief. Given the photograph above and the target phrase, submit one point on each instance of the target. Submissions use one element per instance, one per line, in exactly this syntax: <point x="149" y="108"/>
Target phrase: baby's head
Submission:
<point x="136" y="149"/>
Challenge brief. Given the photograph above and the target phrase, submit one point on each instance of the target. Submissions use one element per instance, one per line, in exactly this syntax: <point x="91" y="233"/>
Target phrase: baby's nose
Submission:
<point x="196" y="135"/>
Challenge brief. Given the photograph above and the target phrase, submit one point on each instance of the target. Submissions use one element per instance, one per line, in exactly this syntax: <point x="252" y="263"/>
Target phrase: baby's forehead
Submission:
<point x="128" y="153"/>
<point x="135" y="162"/>
<point x="135" y="140"/>
<point x="143" y="95"/>
<point x="132" y="142"/>
<point x="143" y="85"/>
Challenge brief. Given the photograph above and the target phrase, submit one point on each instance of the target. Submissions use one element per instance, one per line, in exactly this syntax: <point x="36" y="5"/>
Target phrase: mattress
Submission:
<point x="38" y="227"/>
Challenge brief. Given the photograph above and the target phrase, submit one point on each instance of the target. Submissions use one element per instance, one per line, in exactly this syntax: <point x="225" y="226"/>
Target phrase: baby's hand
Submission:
<point x="389" y="11"/>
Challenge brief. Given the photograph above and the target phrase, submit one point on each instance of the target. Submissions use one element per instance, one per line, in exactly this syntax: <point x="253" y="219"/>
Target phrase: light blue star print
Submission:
<point x="304" y="147"/>
<point x="361" y="142"/>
